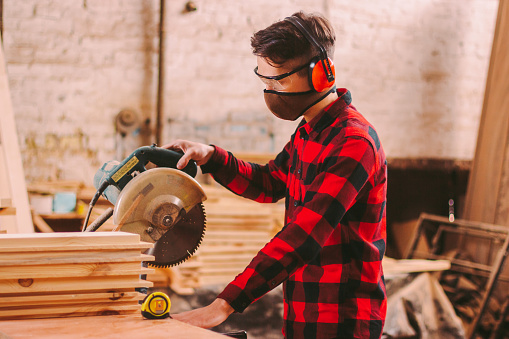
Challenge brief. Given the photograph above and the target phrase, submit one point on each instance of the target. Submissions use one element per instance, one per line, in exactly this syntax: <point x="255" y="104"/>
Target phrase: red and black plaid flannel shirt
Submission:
<point x="333" y="175"/>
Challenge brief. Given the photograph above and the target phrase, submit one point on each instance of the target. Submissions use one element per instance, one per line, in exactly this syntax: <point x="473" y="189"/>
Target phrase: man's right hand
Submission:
<point x="198" y="152"/>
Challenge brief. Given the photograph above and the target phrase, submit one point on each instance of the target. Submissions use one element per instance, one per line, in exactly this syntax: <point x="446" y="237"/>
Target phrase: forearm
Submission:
<point x="253" y="181"/>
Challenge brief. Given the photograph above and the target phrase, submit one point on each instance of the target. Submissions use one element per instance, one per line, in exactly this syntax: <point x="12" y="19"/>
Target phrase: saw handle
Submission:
<point x="163" y="157"/>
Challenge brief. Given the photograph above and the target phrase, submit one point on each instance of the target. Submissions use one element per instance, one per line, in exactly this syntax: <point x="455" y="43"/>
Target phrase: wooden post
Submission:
<point x="487" y="197"/>
<point x="12" y="177"/>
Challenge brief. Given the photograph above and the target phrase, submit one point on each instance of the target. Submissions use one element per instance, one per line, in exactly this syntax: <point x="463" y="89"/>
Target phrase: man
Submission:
<point x="332" y="174"/>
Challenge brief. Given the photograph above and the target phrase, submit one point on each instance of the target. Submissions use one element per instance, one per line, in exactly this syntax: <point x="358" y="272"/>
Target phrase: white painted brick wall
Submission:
<point x="416" y="69"/>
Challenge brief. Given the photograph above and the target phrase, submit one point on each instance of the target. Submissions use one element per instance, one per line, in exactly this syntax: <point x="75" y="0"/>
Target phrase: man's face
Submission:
<point x="295" y="82"/>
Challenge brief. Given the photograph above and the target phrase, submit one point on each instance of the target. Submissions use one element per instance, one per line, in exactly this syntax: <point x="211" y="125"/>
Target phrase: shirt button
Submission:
<point x="295" y="203"/>
<point x="273" y="282"/>
<point x="298" y="171"/>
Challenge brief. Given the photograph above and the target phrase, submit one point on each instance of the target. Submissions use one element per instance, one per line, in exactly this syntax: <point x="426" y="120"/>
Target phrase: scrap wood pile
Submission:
<point x="417" y="307"/>
<point x="46" y="275"/>
<point x="237" y="228"/>
<point x="477" y="283"/>
<point x="466" y="291"/>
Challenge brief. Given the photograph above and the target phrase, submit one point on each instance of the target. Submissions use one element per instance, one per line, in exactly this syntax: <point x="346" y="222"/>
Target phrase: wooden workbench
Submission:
<point x="104" y="327"/>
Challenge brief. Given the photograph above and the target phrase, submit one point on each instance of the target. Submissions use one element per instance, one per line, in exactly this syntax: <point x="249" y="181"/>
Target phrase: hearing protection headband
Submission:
<point x="301" y="26"/>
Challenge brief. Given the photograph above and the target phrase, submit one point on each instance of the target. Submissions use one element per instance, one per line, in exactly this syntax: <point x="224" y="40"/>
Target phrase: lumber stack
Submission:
<point x="237" y="228"/>
<point x="47" y="275"/>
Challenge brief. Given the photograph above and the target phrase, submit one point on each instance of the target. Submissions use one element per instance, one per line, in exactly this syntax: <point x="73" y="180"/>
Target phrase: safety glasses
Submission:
<point x="279" y="82"/>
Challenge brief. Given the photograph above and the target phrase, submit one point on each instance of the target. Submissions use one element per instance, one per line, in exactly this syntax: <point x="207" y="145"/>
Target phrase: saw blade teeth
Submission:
<point x="196" y="220"/>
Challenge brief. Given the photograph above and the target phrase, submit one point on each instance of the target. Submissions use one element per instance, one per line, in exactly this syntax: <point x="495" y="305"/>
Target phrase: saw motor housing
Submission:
<point x="162" y="205"/>
<point x="118" y="174"/>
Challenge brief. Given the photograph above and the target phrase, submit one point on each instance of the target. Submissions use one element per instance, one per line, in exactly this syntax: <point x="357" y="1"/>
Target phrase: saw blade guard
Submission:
<point x="155" y="201"/>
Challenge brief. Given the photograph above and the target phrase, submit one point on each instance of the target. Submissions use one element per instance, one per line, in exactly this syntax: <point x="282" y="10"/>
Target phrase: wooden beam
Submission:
<point x="488" y="193"/>
<point x="5" y="189"/>
<point x="7" y="211"/>
<point x="12" y="156"/>
<point x="41" y="225"/>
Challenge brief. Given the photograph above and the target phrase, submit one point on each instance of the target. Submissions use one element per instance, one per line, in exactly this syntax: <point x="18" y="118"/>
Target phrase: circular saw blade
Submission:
<point x="180" y="242"/>
<point x="138" y="201"/>
<point x="148" y="200"/>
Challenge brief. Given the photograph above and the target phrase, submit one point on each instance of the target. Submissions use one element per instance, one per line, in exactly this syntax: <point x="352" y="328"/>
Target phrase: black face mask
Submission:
<point x="292" y="105"/>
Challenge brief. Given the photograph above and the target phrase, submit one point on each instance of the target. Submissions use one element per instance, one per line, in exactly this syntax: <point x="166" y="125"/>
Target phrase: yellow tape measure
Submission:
<point x="156" y="306"/>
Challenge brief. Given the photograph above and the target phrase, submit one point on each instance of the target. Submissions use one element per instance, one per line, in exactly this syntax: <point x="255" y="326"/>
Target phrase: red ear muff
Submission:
<point x="318" y="75"/>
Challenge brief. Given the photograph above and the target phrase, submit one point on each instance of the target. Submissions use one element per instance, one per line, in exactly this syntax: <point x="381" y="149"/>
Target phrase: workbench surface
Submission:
<point x="110" y="326"/>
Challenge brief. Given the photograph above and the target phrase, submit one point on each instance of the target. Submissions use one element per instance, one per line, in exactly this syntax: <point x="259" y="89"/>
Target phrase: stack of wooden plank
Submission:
<point x="46" y="275"/>
<point x="237" y="228"/>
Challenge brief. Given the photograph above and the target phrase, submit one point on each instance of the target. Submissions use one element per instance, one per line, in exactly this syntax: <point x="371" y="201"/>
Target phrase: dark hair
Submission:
<point x="282" y="41"/>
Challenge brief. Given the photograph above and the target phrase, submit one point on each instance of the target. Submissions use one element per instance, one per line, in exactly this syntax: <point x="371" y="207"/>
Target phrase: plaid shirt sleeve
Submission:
<point x="346" y="169"/>
<point x="264" y="184"/>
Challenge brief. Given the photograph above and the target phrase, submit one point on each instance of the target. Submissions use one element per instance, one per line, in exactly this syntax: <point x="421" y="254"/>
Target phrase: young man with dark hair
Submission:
<point x="333" y="176"/>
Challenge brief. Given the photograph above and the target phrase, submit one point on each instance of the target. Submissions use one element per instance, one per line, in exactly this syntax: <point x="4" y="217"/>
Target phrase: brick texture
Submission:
<point x="416" y="69"/>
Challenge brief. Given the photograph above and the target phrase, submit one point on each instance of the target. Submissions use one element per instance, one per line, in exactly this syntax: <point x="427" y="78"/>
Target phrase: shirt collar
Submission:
<point x="328" y="115"/>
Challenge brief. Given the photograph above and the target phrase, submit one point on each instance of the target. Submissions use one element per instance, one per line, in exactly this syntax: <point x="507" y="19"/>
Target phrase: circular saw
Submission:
<point x="163" y="205"/>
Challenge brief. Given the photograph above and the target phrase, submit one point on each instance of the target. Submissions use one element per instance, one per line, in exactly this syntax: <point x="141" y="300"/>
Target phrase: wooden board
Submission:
<point x="394" y="267"/>
<point x="487" y="197"/>
<point x="41" y="224"/>
<point x="64" y="239"/>
<point x="43" y="285"/>
<point x="35" y="300"/>
<point x="11" y="158"/>
<point x="105" y="327"/>
<point x="76" y="310"/>
<point x="74" y="247"/>
<point x="65" y="257"/>
<point x="72" y="270"/>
